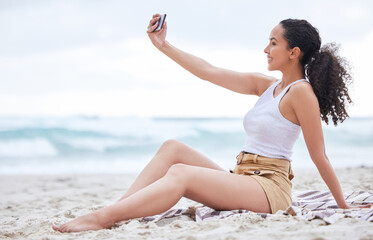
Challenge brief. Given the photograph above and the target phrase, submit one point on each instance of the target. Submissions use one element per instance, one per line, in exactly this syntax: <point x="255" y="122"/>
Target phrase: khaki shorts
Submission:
<point x="273" y="174"/>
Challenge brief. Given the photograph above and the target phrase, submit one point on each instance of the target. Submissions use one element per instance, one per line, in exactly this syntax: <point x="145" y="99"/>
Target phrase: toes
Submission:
<point x="56" y="227"/>
<point x="61" y="228"/>
<point x="64" y="228"/>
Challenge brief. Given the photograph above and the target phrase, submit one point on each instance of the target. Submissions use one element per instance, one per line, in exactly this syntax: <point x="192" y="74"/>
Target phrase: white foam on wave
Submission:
<point x="136" y="127"/>
<point x="97" y="145"/>
<point x="37" y="147"/>
<point x="74" y="166"/>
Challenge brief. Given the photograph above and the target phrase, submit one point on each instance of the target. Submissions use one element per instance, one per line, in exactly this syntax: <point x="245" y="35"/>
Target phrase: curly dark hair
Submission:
<point x="327" y="72"/>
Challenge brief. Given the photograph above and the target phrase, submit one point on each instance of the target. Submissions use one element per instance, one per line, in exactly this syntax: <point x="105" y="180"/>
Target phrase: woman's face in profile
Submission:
<point x="277" y="50"/>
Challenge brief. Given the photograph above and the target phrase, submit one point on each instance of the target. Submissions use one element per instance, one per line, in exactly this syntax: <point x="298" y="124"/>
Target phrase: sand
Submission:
<point x="31" y="204"/>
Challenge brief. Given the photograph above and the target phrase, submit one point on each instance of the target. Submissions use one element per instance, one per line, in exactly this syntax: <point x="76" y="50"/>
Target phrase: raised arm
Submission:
<point x="245" y="83"/>
<point x="306" y="108"/>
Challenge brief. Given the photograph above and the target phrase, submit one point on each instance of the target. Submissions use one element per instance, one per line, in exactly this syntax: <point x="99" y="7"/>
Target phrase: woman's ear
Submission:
<point x="295" y="53"/>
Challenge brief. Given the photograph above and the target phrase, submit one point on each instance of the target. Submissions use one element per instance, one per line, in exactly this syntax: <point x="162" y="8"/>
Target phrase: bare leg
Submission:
<point x="170" y="153"/>
<point x="214" y="188"/>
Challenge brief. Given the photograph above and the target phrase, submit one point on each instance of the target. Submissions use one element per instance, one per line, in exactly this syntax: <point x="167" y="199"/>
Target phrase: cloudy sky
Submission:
<point x="94" y="57"/>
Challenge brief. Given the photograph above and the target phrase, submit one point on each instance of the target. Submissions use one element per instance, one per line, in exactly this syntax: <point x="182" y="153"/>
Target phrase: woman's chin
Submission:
<point x="270" y="67"/>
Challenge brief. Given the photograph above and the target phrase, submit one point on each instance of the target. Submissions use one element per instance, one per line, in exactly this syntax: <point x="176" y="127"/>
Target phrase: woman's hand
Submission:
<point x="357" y="206"/>
<point x="158" y="38"/>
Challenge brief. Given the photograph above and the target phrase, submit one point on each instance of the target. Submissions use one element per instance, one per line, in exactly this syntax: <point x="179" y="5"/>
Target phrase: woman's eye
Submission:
<point x="273" y="43"/>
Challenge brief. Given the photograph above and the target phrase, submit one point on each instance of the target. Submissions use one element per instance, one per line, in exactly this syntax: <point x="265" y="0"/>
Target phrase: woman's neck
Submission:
<point x="293" y="73"/>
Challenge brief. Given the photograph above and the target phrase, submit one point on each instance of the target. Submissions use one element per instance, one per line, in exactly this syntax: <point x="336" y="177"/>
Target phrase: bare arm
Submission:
<point x="306" y="108"/>
<point x="245" y="83"/>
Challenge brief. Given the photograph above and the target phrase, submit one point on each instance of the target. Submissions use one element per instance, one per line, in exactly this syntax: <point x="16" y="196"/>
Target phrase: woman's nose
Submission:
<point x="266" y="49"/>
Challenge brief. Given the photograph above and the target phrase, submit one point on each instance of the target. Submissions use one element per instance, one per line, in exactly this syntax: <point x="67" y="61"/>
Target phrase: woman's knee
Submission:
<point x="171" y="144"/>
<point x="178" y="172"/>
<point x="171" y="147"/>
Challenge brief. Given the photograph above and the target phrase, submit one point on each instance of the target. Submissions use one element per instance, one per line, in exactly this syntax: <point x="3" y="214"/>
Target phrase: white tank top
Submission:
<point x="269" y="134"/>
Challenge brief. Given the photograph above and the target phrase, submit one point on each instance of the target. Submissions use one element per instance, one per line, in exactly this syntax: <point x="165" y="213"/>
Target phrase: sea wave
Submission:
<point x="108" y="137"/>
<point x="72" y="142"/>
<point x="22" y="148"/>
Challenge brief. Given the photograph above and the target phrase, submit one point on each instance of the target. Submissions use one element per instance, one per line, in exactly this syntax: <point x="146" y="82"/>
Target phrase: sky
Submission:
<point x="92" y="57"/>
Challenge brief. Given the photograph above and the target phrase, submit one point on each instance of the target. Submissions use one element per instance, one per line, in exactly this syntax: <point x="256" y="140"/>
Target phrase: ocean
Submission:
<point x="88" y="144"/>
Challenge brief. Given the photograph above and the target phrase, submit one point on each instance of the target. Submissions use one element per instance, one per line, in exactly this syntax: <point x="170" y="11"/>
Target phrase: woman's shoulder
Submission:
<point x="302" y="93"/>
<point x="302" y="87"/>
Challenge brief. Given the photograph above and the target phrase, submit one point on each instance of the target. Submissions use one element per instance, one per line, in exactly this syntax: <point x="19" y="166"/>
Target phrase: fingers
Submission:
<point x="154" y="19"/>
<point x="151" y="28"/>
<point x="153" y="24"/>
<point x="368" y="205"/>
<point x="362" y="206"/>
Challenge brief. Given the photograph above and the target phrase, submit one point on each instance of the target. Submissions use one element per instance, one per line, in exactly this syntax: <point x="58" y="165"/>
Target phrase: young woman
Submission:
<point x="314" y="84"/>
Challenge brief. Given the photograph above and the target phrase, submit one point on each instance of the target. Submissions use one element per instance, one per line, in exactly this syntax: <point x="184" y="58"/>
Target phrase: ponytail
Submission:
<point x="329" y="77"/>
<point x="327" y="72"/>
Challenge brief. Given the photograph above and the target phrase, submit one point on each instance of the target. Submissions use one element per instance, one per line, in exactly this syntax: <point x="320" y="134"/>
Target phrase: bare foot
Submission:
<point x="92" y="221"/>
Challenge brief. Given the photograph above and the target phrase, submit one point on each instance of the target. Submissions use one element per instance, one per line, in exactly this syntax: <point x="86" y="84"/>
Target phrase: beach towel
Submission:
<point x="306" y="205"/>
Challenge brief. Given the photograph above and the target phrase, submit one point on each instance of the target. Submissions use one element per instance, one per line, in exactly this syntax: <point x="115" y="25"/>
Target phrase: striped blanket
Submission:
<point x="307" y="205"/>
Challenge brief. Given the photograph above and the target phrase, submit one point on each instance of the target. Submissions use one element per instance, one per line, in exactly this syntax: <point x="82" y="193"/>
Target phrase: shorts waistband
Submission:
<point x="245" y="157"/>
<point x="282" y="165"/>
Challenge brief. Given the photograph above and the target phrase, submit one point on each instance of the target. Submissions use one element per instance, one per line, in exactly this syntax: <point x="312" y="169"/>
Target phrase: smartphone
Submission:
<point x="161" y="22"/>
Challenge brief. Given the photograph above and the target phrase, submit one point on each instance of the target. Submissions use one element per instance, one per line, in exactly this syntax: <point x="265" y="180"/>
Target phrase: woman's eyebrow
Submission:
<point x="272" y="38"/>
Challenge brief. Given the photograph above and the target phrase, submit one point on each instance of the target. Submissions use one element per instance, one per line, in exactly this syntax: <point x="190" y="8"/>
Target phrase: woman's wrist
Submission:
<point x="163" y="47"/>
<point x="343" y="205"/>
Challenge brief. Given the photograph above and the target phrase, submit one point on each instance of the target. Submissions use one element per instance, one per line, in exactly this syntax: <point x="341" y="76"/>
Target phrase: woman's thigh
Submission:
<point x="222" y="190"/>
